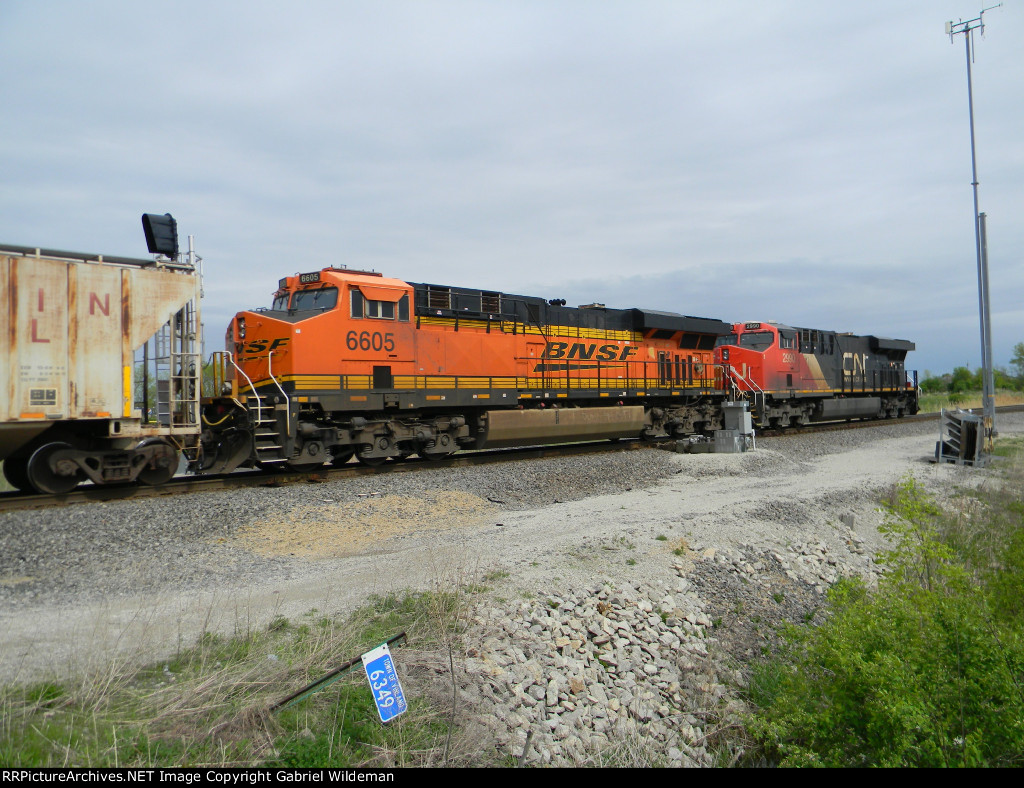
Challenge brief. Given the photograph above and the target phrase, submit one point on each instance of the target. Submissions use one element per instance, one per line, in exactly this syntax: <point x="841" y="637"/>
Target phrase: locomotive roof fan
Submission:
<point x="161" y="234"/>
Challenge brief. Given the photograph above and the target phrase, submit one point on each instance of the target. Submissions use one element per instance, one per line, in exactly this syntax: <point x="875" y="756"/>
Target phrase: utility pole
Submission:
<point x="980" y="235"/>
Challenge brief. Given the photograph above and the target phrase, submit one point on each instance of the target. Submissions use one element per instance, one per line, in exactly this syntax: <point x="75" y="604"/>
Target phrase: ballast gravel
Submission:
<point x="721" y="548"/>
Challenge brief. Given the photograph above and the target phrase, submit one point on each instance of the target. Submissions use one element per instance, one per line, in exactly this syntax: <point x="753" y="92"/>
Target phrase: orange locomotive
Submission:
<point x="349" y="362"/>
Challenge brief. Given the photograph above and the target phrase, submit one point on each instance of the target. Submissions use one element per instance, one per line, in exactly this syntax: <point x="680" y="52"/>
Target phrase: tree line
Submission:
<point x="962" y="379"/>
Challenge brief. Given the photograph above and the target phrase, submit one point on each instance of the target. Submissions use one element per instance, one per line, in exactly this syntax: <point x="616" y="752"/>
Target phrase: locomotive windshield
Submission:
<point x="725" y="339"/>
<point x="323" y="298"/>
<point x="757" y="340"/>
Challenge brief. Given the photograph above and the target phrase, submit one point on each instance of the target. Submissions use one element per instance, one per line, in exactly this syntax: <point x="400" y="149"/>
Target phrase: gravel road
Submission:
<point x="85" y="585"/>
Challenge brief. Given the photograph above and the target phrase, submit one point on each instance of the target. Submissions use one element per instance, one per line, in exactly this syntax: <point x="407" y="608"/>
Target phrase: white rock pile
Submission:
<point x="561" y="679"/>
<point x="637" y="670"/>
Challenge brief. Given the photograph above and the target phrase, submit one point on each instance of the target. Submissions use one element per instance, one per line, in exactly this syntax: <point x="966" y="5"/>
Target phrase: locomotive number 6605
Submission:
<point x="370" y="340"/>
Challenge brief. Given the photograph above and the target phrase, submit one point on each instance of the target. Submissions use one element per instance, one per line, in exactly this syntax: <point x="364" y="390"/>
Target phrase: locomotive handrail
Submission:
<point x="287" y="401"/>
<point x="259" y="399"/>
<point x="736" y="374"/>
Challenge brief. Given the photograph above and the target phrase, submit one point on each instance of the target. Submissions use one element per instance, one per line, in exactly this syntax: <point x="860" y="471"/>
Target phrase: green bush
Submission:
<point x="928" y="671"/>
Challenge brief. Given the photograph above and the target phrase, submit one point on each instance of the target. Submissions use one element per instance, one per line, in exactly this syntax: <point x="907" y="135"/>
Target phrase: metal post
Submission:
<point x="988" y="402"/>
<point x="988" y="383"/>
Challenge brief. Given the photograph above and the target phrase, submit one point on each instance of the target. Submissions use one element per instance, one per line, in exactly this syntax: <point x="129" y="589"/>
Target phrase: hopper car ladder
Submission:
<point x="177" y="364"/>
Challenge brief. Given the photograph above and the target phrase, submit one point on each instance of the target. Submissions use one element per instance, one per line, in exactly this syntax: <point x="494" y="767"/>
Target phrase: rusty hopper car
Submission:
<point x="348" y="362"/>
<point x="72" y="406"/>
<point x="798" y="375"/>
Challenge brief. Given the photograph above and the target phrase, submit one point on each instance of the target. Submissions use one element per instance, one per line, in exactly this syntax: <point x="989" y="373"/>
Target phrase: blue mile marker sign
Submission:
<point x="387" y="690"/>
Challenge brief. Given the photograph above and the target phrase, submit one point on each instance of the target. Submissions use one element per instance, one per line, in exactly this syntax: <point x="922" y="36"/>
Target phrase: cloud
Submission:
<point x="808" y="159"/>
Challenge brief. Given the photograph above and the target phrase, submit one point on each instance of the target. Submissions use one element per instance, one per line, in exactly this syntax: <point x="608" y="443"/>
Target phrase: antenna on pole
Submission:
<point x="980" y="235"/>
<point x="955" y="28"/>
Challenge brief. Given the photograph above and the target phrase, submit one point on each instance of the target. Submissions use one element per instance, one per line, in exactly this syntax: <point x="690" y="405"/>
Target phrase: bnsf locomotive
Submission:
<point x="793" y="376"/>
<point x="353" y="363"/>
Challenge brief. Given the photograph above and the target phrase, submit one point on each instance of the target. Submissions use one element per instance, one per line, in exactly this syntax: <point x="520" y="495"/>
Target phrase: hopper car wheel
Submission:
<point x="44" y="478"/>
<point x="16" y="472"/>
<point x="342" y="457"/>
<point x="166" y="464"/>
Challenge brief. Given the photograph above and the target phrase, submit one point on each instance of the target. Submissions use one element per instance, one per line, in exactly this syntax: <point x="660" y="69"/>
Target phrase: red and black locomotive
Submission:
<point x="794" y="376"/>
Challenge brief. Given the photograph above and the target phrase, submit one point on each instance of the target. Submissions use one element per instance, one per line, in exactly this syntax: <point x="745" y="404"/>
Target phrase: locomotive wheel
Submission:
<point x="306" y="467"/>
<point x="166" y="464"/>
<point x="405" y="451"/>
<point x="44" y="478"/>
<point x="16" y="472"/>
<point x="371" y="462"/>
<point x="343" y="456"/>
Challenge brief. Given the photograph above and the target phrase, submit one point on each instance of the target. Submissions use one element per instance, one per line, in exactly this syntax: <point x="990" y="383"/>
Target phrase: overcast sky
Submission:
<point x="806" y="162"/>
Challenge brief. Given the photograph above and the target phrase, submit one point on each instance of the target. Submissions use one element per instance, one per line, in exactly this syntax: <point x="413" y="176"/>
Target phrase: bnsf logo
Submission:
<point x="591" y="351"/>
<point x="259" y="345"/>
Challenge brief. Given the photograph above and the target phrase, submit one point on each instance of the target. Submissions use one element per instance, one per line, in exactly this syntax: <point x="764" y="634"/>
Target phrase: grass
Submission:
<point x="933" y="403"/>
<point x="209" y="705"/>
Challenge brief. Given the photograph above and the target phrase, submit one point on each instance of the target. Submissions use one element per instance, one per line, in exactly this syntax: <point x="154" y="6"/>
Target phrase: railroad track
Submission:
<point x="11" y="501"/>
<point x="856" y="425"/>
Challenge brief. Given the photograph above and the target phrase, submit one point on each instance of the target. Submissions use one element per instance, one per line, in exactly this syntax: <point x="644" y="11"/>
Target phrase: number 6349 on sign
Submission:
<point x="384" y="683"/>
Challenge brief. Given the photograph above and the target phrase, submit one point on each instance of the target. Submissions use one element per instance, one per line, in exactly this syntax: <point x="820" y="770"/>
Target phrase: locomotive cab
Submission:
<point x="335" y="320"/>
<point x="327" y="333"/>
<point x="761" y="357"/>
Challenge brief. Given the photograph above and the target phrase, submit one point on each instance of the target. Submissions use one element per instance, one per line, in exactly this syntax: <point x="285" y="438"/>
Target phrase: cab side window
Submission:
<point x="379" y="310"/>
<point x="383" y="310"/>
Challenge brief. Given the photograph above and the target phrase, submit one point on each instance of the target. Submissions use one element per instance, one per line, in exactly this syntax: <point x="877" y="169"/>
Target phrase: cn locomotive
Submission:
<point x="105" y="372"/>
<point x="793" y="376"/>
